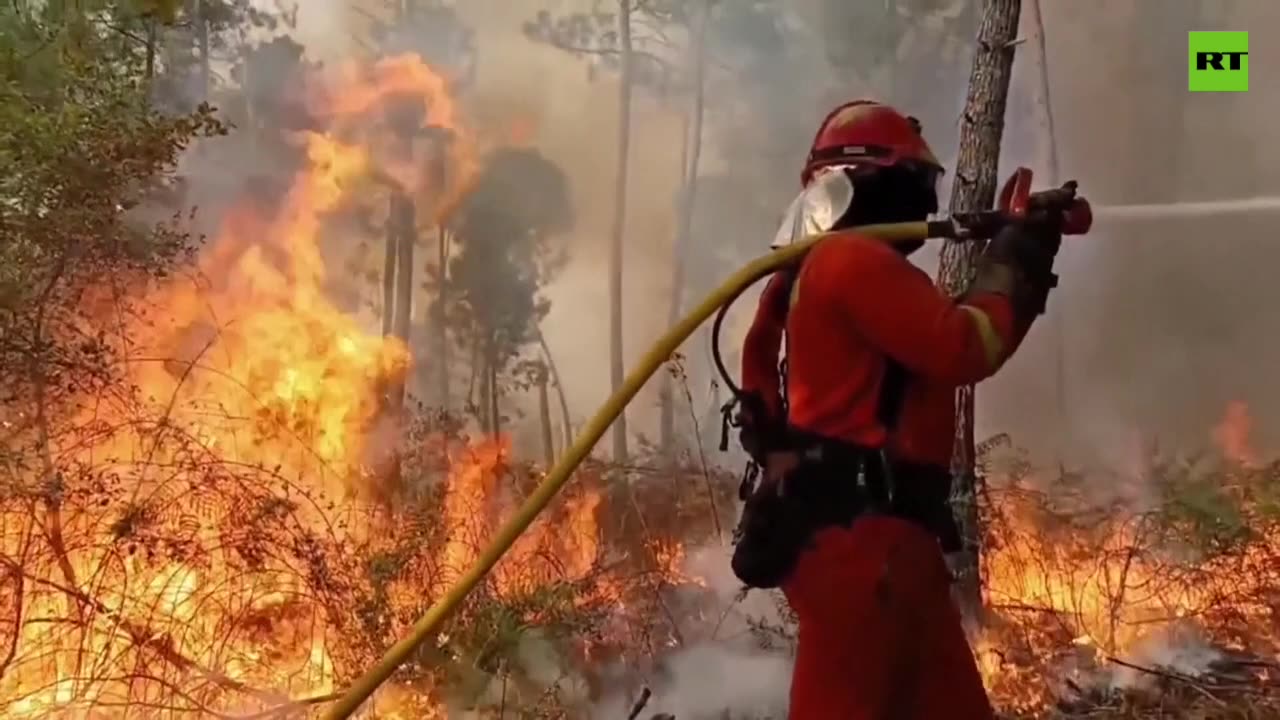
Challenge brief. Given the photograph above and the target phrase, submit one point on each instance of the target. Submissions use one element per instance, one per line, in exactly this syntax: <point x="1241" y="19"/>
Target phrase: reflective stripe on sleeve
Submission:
<point x="992" y="345"/>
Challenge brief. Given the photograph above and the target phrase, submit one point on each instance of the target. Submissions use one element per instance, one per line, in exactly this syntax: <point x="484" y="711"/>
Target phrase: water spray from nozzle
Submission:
<point x="1188" y="209"/>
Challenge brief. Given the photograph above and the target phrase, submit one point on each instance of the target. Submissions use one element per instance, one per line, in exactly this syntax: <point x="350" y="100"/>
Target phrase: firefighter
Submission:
<point x="855" y="435"/>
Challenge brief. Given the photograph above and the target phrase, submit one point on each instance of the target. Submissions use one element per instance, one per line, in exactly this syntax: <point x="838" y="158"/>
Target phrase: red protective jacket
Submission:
<point x="856" y="302"/>
<point x="879" y="637"/>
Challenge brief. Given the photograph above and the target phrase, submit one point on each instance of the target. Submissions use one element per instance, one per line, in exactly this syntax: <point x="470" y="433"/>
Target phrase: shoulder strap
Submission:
<point x="785" y="299"/>
<point x="893" y="391"/>
<point x="893" y="386"/>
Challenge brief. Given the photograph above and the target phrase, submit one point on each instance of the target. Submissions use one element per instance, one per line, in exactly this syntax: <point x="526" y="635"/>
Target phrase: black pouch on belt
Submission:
<point x="779" y="520"/>
<point x="771" y="534"/>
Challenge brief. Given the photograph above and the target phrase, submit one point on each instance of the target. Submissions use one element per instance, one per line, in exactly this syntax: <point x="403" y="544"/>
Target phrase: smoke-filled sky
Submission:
<point x="1159" y="322"/>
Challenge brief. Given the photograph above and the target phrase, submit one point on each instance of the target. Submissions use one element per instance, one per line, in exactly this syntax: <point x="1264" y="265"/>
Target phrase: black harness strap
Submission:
<point x="893" y="392"/>
<point x="893" y="385"/>
<point x="784" y="301"/>
<point x="893" y="389"/>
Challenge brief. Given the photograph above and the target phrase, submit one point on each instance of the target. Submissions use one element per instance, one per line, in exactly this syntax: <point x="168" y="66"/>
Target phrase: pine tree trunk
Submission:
<point x="555" y="378"/>
<point x="544" y="417"/>
<point x="619" y="224"/>
<point x="152" y="39"/>
<point x="495" y="420"/>
<point x="250" y="112"/>
<point x="442" y="318"/>
<point x="391" y="250"/>
<point x="1057" y="321"/>
<point x="202" y="40"/>
<point x="405" y="241"/>
<point x="688" y="196"/>
<point x="974" y="188"/>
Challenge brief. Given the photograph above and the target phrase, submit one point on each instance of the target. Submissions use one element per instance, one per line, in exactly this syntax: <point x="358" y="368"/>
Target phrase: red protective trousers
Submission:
<point x="880" y="638"/>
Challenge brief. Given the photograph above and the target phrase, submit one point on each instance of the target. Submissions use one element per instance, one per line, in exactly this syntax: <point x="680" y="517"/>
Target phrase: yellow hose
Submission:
<point x="650" y="363"/>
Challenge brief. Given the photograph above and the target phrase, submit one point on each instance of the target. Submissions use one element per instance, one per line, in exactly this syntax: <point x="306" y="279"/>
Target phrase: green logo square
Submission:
<point x="1217" y="61"/>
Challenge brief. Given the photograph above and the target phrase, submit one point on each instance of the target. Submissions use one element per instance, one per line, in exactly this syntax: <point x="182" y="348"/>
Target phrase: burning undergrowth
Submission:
<point x="1152" y="595"/>
<point x="1164" y="595"/>
<point x="205" y="538"/>
<point x="209" y="532"/>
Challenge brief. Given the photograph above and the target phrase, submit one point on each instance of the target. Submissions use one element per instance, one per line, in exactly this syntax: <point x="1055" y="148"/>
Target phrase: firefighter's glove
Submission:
<point x="1018" y="263"/>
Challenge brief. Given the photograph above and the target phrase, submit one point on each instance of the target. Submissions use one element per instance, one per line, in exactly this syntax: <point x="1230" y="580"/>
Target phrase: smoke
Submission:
<point x="1180" y="648"/>
<point x="571" y="116"/>
<point x="710" y="680"/>
<point x="729" y="671"/>
<point x="1154" y="327"/>
<point x="1160" y="320"/>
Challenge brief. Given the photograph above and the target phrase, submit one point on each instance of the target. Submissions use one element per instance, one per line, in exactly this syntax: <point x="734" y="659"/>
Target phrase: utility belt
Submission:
<point x="834" y="484"/>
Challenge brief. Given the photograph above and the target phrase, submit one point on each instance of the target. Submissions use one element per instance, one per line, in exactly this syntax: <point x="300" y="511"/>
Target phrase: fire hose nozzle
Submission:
<point x="1061" y="207"/>
<point x="1074" y="213"/>
<point x="1077" y="219"/>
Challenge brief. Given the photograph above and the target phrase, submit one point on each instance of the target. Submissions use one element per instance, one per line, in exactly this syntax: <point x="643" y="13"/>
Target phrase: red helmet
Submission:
<point x="865" y="131"/>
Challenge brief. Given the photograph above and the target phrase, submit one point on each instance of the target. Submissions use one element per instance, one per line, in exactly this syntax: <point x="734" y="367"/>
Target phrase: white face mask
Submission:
<point x="818" y="206"/>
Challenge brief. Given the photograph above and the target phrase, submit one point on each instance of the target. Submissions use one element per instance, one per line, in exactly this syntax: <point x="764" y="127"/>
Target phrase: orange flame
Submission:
<point x="1097" y="583"/>
<point x="1231" y="435"/>
<point x="260" y="397"/>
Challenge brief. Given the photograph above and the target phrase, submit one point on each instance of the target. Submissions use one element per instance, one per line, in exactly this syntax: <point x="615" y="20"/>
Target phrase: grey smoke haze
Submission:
<point x="1160" y="322"/>
<point x="708" y="680"/>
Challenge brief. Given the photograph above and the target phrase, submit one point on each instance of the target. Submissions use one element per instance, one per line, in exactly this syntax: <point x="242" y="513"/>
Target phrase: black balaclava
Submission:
<point x="898" y="193"/>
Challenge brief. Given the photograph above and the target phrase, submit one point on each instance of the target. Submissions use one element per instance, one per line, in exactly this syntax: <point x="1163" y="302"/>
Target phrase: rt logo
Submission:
<point x="1218" y="61"/>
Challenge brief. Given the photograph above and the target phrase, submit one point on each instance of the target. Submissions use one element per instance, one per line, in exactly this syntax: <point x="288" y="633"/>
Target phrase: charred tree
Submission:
<point x="435" y="322"/>
<point x="491" y="381"/>
<point x="397" y="287"/>
<point x="202" y="42"/>
<point x="405" y="220"/>
<point x="402" y="232"/>
<point x="544" y="417"/>
<point x="442" y="314"/>
<point x="974" y="188"/>
<point x="153" y="38"/>
<point x="389" y="270"/>
<point x="567" y="425"/>
<point x="619" y="222"/>
<point x="688" y="196"/>
<point x="1056" y="319"/>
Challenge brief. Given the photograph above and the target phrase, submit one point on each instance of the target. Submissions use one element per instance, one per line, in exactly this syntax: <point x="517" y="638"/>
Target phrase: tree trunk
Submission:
<point x="619" y="224"/>
<point x="495" y="420"/>
<point x="202" y="40"/>
<point x="391" y="250"/>
<point x="442" y="318"/>
<point x="152" y="32"/>
<point x="974" y="188"/>
<point x="1056" y="318"/>
<point x="250" y="112"/>
<point x="405" y="240"/>
<point x="544" y="417"/>
<point x="555" y="378"/>
<point x="481" y="368"/>
<point x="688" y="196"/>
